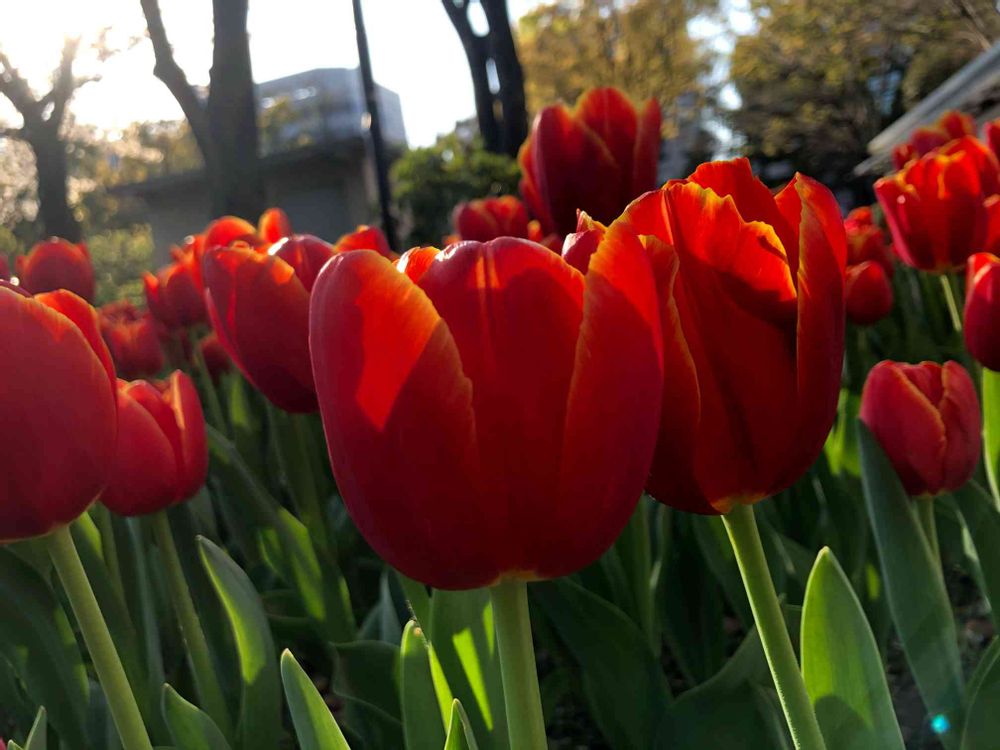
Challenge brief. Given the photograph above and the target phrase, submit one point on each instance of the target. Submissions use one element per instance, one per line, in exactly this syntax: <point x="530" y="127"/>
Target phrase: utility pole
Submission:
<point x="375" y="127"/>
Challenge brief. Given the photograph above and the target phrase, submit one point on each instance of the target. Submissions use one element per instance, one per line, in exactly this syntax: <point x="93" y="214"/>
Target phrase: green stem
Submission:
<point x="199" y="657"/>
<point x="949" y="298"/>
<point x="109" y="547"/>
<point x="525" y="726"/>
<point x="218" y="417"/>
<point x="925" y="511"/>
<point x="742" y="528"/>
<point x="108" y="665"/>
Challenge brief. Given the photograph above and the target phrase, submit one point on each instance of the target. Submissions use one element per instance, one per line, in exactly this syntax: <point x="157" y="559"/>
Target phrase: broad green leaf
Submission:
<point x="982" y="719"/>
<point x="417" y="598"/>
<point x="922" y="613"/>
<point x="461" y="633"/>
<point x="991" y="429"/>
<point x="983" y="523"/>
<point x="190" y="727"/>
<point x="315" y="726"/>
<point x="460" y="735"/>
<point x="633" y="552"/>
<point x="366" y="677"/>
<point x="841" y="664"/>
<point x="423" y="720"/>
<point x="622" y="678"/>
<point x="259" y="724"/>
<point x="36" y="637"/>
<point x="38" y="736"/>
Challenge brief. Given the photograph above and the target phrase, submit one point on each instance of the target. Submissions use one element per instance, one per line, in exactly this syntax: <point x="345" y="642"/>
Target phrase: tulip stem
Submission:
<point x="950" y="299"/>
<point x="108" y="665"/>
<point x="199" y="658"/>
<point x="742" y="528"/>
<point x="211" y="395"/>
<point x="925" y="511"/>
<point x="109" y="547"/>
<point x="522" y="699"/>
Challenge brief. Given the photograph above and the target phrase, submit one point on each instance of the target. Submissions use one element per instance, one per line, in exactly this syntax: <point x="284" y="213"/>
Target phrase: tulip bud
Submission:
<point x="174" y="294"/>
<point x="57" y="264"/>
<point x="982" y="310"/>
<point x="926" y="418"/>
<point x="162" y="456"/>
<point x="868" y="293"/>
<point x="486" y="219"/>
<point x="214" y="355"/>
<point x="273" y="225"/>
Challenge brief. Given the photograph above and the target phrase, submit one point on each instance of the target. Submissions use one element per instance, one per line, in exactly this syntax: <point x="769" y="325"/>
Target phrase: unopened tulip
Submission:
<point x="926" y="418"/>
<point x="595" y="158"/>
<point x="214" y="355"/>
<point x="132" y="339"/>
<point x="752" y="304"/>
<point x="982" y="310"/>
<point x="174" y="294"/>
<point x="866" y="240"/>
<point x="57" y="398"/>
<point x="162" y="456"/>
<point x="490" y="411"/>
<point x="273" y="225"/>
<point x="226" y="230"/>
<point x="868" y="293"/>
<point x="57" y="264"/>
<point x="486" y="219"/>
<point x="365" y="238"/>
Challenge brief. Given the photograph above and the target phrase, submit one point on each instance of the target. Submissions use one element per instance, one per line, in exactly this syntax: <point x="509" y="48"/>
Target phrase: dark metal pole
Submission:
<point x="375" y="128"/>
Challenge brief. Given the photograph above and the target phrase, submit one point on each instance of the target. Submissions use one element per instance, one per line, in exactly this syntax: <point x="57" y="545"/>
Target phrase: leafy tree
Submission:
<point x="643" y="47"/>
<point x="430" y="181"/>
<point x="818" y="80"/>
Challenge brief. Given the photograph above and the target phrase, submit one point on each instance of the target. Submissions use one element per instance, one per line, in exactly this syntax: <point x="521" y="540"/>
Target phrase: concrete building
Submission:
<point x="314" y="160"/>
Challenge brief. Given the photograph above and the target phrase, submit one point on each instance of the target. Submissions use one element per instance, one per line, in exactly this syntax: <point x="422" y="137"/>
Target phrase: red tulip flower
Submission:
<point x="868" y="293"/>
<point x="490" y="411"/>
<point x="365" y="238"/>
<point x="174" y="295"/>
<point x="57" y="264"/>
<point x="273" y="225"/>
<point x="595" y="158"/>
<point x="949" y="127"/>
<point x="214" y="355"/>
<point x="162" y="455"/>
<point x="57" y="397"/>
<point x="133" y="340"/>
<point x="982" y="310"/>
<point x="926" y="418"/>
<point x="226" y="230"/>
<point x="488" y="218"/>
<point x="935" y="207"/>
<point x="752" y="304"/>
<point x="866" y="240"/>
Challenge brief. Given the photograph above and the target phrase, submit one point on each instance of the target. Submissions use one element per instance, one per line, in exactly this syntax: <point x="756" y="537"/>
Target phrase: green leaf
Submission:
<point x="315" y="726"/>
<point x="982" y="719"/>
<point x="423" y="720"/>
<point x="983" y="523"/>
<point x="460" y="735"/>
<point x="991" y="429"/>
<point x="259" y="724"/>
<point x="36" y="637"/>
<point x="38" y="736"/>
<point x="622" y="678"/>
<point x="914" y="586"/>
<point x="190" y="727"/>
<point x="841" y="664"/>
<point x="718" y="555"/>
<point x="460" y="631"/>
<point x="366" y="677"/>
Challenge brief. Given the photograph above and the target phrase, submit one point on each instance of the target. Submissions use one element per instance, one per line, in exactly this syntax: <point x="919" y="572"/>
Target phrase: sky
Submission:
<point x="414" y="49"/>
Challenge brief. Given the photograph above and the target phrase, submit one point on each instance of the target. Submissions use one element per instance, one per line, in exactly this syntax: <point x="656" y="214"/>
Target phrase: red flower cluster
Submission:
<point x="951" y="125"/>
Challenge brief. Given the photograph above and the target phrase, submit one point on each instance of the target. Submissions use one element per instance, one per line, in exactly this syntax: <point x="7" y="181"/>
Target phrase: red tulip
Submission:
<point x="162" y="454"/>
<point x="950" y="126"/>
<point x="752" y="303"/>
<point x="595" y="158"/>
<point x="991" y="132"/>
<point x="259" y="306"/>
<point x="982" y="309"/>
<point x="57" y="264"/>
<point x="57" y="397"/>
<point x="273" y="225"/>
<point x="305" y="253"/>
<point x="365" y="238"/>
<point x="4" y="269"/>
<point x="132" y="340"/>
<point x="486" y="219"/>
<point x="490" y="411"/>
<point x="214" y="355"/>
<point x="935" y="208"/>
<point x="902" y="155"/>
<point x="229" y="229"/>
<point x="868" y="293"/>
<point x="174" y="294"/>
<point x="926" y="418"/>
<point x="866" y="240"/>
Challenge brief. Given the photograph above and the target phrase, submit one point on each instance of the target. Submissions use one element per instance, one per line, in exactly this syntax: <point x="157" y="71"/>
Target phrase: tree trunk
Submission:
<point x="510" y="76"/>
<point x="53" y="204"/>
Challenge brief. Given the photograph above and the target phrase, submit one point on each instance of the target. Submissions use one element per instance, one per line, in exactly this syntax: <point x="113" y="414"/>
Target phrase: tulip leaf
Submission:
<point x="460" y="735"/>
<point x="190" y="727"/>
<point x="841" y="664"/>
<point x="621" y="677"/>
<point x="982" y="520"/>
<point x="982" y="719"/>
<point x="991" y="429"/>
<point x="713" y="541"/>
<point x="423" y="717"/>
<point x="37" y="640"/>
<point x="365" y="676"/>
<point x="460" y="631"/>
<point x="922" y="613"/>
<point x="315" y="726"/>
<point x="259" y="723"/>
<point x="38" y="736"/>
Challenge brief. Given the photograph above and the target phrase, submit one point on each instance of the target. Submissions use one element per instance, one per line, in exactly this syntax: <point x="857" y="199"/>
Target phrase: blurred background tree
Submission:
<point x="817" y="80"/>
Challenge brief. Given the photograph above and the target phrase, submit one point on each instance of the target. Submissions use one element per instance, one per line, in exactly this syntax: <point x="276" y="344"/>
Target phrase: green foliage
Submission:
<point x="430" y="181"/>
<point x="120" y="256"/>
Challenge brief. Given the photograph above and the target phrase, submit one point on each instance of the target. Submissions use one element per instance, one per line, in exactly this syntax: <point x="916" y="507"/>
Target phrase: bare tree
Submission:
<point x="224" y="122"/>
<point x="41" y="128"/>
<point x="497" y="78"/>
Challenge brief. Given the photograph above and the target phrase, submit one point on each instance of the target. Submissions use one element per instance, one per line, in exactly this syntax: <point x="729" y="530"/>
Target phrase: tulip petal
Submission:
<point x="182" y="397"/>
<point x="960" y="412"/>
<point x="397" y="410"/>
<point x="85" y="318"/>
